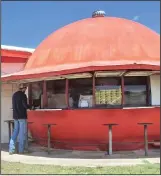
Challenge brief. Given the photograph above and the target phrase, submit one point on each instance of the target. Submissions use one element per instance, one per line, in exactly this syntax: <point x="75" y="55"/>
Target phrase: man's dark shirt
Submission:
<point x="20" y="106"/>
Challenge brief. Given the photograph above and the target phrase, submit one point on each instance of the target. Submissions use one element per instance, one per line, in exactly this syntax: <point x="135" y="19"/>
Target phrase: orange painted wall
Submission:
<point x="86" y="125"/>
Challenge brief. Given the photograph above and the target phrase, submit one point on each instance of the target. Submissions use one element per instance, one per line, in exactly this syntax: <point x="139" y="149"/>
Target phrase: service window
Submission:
<point x="37" y="92"/>
<point x="80" y="93"/>
<point x="56" y="98"/>
<point x="135" y="91"/>
<point x="108" y="91"/>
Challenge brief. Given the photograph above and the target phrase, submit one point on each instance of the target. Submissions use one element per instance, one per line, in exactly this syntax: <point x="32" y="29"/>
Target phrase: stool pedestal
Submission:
<point x="10" y="128"/>
<point x="27" y="142"/>
<point x="145" y="136"/>
<point x="110" y="136"/>
<point x="49" y="135"/>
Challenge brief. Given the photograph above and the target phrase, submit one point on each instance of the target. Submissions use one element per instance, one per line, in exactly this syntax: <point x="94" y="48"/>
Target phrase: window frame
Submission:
<point x="147" y="88"/>
<point x="89" y="77"/>
<point x="93" y="75"/>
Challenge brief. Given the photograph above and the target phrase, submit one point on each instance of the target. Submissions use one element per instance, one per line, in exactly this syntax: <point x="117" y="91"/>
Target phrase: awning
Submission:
<point x="54" y="71"/>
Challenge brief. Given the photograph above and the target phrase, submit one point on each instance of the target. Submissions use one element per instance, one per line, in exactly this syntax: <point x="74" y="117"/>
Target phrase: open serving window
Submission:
<point x="108" y="88"/>
<point x="101" y="89"/>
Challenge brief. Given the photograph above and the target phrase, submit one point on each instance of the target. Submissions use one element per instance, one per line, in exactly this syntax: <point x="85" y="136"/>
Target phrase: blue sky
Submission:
<point x="27" y="23"/>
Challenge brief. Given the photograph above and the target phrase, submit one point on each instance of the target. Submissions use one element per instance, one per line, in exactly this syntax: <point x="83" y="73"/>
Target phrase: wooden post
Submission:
<point x="122" y="90"/>
<point x="148" y="91"/>
<point x="44" y="94"/>
<point x="67" y="92"/>
<point x="93" y="90"/>
<point x="30" y="93"/>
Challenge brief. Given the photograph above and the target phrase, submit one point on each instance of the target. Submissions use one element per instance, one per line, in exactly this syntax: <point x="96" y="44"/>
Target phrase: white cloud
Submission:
<point x="136" y="18"/>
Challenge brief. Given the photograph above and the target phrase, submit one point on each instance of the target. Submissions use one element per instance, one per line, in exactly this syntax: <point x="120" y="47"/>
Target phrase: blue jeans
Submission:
<point x="20" y="128"/>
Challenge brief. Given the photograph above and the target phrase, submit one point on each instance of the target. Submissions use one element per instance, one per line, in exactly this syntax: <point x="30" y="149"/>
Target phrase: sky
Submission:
<point x="28" y="23"/>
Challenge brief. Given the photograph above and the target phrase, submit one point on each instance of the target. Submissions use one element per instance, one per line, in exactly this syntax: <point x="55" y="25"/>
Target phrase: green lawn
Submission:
<point x="18" y="168"/>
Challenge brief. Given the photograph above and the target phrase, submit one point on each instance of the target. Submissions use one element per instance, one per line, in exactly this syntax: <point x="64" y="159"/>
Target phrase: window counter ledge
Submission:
<point x="141" y="107"/>
<point x="46" y="110"/>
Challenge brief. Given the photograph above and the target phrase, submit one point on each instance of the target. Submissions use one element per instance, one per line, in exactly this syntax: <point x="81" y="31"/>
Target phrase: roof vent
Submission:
<point x="98" y="13"/>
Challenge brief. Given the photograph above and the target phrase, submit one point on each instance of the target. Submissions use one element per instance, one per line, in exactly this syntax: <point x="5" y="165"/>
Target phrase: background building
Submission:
<point x="13" y="59"/>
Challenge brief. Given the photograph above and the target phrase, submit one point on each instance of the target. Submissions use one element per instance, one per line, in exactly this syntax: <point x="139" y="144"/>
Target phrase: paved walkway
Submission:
<point x="82" y="158"/>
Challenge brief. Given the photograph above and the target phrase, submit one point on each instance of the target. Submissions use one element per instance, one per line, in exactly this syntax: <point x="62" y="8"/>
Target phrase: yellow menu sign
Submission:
<point x="108" y="95"/>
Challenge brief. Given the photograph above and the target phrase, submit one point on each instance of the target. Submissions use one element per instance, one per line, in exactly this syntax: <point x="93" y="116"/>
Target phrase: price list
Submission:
<point x="108" y="95"/>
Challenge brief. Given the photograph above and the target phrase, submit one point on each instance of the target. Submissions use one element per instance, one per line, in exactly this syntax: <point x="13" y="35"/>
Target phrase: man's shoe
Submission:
<point x="11" y="153"/>
<point x="25" y="152"/>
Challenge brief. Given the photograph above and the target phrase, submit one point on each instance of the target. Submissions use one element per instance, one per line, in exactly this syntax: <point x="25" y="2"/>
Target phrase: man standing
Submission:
<point x="20" y="106"/>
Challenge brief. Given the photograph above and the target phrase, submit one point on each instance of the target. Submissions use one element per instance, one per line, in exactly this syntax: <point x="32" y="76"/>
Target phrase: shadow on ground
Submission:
<point x="39" y="151"/>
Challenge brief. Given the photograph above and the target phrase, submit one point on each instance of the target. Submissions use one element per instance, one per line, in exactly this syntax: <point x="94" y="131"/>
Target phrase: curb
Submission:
<point x="25" y="159"/>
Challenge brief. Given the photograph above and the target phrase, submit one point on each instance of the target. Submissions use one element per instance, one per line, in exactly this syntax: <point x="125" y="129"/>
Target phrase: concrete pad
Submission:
<point x="82" y="158"/>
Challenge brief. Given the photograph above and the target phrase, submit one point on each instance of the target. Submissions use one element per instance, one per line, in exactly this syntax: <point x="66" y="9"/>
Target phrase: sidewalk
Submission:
<point x="83" y="158"/>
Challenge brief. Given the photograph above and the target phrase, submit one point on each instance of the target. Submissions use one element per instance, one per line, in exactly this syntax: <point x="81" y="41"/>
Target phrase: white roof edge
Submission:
<point x="15" y="48"/>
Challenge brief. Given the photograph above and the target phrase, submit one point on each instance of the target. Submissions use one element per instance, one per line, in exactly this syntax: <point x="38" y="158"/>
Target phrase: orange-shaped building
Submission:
<point x="95" y="71"/>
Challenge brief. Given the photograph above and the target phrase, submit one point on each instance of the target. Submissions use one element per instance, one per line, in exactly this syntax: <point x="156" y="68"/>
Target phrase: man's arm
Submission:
<point x="14" y="107"/>
<point x="24" y="102"/>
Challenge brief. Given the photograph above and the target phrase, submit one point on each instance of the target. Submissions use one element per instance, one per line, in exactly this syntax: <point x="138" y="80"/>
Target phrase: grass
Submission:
<point x="18" y="168"/>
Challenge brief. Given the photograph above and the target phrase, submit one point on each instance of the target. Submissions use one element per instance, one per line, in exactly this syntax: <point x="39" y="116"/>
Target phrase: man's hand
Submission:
<point x="32" y="108"/>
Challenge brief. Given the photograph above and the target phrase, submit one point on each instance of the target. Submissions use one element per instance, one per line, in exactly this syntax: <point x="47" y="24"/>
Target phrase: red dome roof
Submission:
<point x="97" y="42"/>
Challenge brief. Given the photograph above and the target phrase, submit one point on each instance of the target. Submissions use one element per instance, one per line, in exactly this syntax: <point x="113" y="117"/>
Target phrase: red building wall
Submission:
<point x="85" y="126"/>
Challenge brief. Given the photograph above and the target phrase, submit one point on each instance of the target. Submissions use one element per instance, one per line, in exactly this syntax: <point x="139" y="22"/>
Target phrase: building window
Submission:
<point x="37" y="92"/>
<point x="135" y="91"/>
<point x="108" y="92"/>
<point x="80" y="93"/>
<point x="56" y="98"/>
